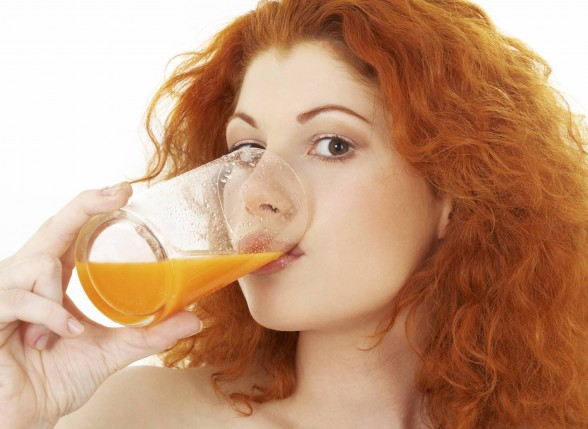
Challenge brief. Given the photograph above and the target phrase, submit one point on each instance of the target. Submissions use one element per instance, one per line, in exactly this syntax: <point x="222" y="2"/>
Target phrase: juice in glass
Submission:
<point x="141" y="293"/>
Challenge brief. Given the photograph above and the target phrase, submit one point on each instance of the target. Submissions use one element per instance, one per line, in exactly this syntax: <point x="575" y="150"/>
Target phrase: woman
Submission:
<point x="442" y="279"/>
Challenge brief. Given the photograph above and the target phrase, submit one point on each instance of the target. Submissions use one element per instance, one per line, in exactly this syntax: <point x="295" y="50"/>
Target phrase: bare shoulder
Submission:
<point x="153" y="397"/>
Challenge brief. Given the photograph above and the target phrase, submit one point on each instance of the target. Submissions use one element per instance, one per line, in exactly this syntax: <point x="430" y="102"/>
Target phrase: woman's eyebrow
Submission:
<point x="244" y="117"/>
<point x="303" y="117"/>
<point x="307" y="116"/>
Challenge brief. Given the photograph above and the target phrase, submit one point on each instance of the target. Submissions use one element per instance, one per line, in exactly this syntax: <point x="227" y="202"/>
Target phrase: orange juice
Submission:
<point x="138" y="293"/>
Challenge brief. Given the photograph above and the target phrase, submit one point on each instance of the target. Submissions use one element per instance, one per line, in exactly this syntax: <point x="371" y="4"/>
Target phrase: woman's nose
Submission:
<point x="271" y="191"/>
<point x="265" y="204"/>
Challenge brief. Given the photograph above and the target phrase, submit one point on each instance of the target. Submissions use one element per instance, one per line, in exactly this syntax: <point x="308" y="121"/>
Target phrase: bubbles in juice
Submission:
<point x="139" y="293"/>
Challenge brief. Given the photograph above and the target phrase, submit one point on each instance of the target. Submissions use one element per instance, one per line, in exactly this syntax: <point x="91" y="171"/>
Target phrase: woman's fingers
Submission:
<point x="41" y="277"/>
<point x="33" y="281"/>
<point x="25" y="306"/>
<point x="41" y="274"/>
<point x="127" y="345"/>
<point x="59" y="232"/>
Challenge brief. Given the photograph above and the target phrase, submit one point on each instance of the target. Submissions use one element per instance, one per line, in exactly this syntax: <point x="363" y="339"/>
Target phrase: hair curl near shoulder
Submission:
<point x="506" y="291"/>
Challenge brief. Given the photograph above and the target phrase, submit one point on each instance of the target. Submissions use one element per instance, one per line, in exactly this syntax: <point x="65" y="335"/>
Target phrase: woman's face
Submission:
<point x="373" y="218"/>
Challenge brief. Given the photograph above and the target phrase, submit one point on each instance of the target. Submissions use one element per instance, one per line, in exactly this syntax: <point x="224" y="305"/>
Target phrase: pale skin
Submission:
<point x="373" y="220"/>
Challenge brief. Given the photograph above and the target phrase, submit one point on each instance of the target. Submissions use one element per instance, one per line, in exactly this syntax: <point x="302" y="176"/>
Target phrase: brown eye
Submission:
<point x="338" y="146"/>
<point x="331" y="146"/>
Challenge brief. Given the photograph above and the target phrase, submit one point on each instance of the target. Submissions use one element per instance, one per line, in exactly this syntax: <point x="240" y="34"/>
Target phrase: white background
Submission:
<point x="76" y="77"/>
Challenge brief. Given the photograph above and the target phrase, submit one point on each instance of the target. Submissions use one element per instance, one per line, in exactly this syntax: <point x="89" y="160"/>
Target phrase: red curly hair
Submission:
<point x="505" y="293"/>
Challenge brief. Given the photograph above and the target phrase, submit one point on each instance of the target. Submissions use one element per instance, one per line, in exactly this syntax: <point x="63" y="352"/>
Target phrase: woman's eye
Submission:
<point x="246" y="144"/>
<point x="331" y="147"/>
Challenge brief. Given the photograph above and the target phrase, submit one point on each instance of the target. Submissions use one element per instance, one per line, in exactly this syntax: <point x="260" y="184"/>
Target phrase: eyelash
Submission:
<point x="245" y="143"/>
<point x="342" y="158"/>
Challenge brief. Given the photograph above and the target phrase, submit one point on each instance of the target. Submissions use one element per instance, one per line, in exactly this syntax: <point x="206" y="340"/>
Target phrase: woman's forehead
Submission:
<point x="305" y="76"/>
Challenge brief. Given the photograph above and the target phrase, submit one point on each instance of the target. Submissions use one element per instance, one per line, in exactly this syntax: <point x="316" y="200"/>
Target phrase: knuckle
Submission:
<point x="83" y="195"/>
<point x="13" y="273"/>
<point x="83" y="202"/>
<point x="15" y="298"/>
<point x="5" y="269"/>
<point x="84" y="198"/>
<point x="53" y="312"/>
<point x="6" y="262"/>
<point x="49" y="264"/>
<point x="49" y="222"/>
<point x="21" y="304"/>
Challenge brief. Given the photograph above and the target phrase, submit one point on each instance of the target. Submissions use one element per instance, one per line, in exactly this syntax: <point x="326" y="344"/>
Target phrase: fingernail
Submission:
<point x="112" y="190"/>
<point x="41" y="343"/>
<point x="74" y="326"/>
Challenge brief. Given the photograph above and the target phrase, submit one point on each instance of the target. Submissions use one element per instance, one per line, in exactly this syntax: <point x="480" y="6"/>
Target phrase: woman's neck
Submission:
<point x="343" y="381"/>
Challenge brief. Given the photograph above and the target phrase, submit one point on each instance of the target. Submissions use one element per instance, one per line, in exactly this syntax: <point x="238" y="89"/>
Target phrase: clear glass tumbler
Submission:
<point x="189" y="236"/>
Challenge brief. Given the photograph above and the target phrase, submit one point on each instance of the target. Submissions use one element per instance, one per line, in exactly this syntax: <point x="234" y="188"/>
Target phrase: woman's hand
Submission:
<point x="52" y="358"/>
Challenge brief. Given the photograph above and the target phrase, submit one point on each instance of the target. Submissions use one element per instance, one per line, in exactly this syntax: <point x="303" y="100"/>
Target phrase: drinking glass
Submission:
<point x="189" y="236"/>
